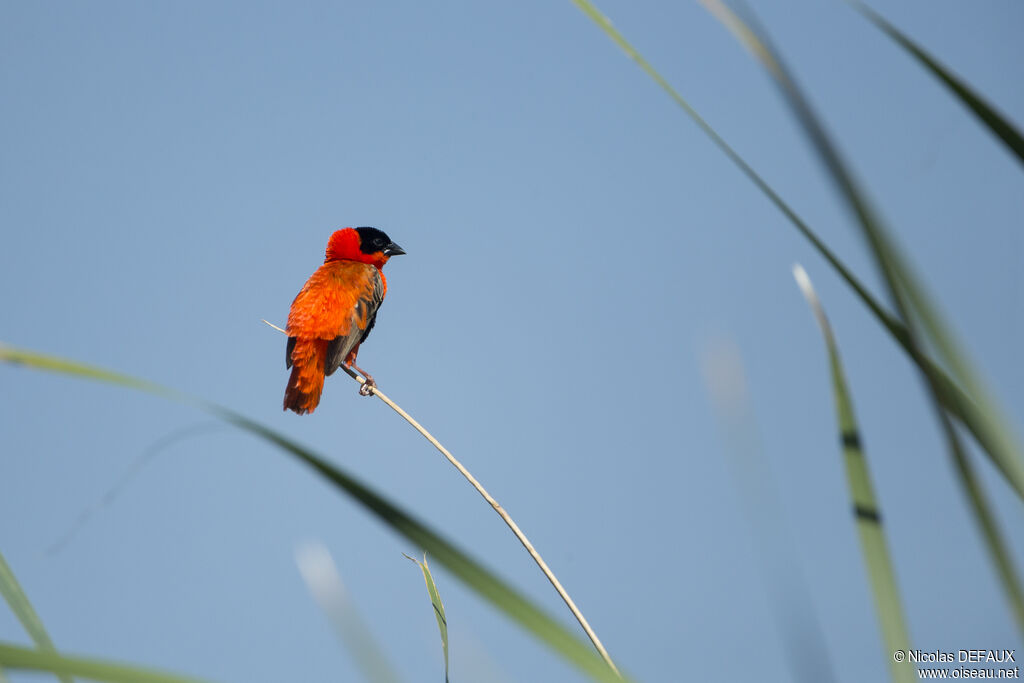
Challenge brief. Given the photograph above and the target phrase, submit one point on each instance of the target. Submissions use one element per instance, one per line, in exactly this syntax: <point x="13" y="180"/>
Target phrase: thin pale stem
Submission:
<point x="497" y="508"/>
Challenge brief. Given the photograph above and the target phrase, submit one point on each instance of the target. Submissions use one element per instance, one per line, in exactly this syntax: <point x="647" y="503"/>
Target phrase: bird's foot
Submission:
<point x="368" y="383"/>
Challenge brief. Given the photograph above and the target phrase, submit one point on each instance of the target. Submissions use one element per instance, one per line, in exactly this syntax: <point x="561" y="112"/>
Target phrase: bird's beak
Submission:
<point x="393" y="250"/>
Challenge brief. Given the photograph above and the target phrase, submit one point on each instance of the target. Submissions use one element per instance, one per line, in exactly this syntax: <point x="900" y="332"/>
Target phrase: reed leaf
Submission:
<point x="866" y="510"/>
<point x="1000" y="126"/>
<point x="468" y="570"/>
<point x="991" y="433"/>
<point x="19" y="603"/>
<point x="435" y="601"/>
<point x="14" y="657"/>
<point x="912" y="304"/>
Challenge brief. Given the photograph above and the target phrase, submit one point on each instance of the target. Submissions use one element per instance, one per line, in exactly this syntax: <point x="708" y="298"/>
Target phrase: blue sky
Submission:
<point x="172" y="171"/>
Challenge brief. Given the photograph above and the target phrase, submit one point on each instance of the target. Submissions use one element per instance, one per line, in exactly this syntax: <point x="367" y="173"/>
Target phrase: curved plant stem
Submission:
<point x="497" y="508"/>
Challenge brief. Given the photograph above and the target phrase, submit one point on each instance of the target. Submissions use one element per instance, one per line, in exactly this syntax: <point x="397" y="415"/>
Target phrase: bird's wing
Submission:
<point x="289" y="347"/>
<point x="338" y="303"/>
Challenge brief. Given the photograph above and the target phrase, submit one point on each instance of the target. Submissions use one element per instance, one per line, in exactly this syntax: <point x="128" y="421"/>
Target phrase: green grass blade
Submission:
<point x="893" y="325"/>
<point x="990" y="531"/>
<point x="435" y="600"/>
<point x="911" y="303"/>
<point x="995" y="439"/>
<point x="866" y="509"/>
<point x="325" y="585"/>
<point x="19" y="603"/>
<point x="471" y="572"/>
<point x="13" y="657"/>
<point x="909" y="295"/>
<point x="996" y="122"/>
<point x="996" y="434"/>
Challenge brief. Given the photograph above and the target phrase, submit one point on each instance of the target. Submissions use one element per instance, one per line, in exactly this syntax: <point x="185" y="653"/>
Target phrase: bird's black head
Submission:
<point x="373" y="241"/>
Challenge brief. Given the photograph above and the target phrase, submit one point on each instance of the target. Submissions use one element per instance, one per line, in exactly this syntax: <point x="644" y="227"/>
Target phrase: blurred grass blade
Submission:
<point x="996" y="545"/>
<point x="18" y="601"/>
<point x="14" y="657"/>
<point x="472" y="573"/>
<point x="996" y="122"/>
<point x="126" y="478"/>
<point x="997" y="441"/>
<point x="792" y="606"/>
<point x="435" y="600"/>
<point x="325" y="584"/>
<point x="908" y="294"/>
<point x="912" y="304"/>
<point x="894" y="326"/>
<point x="865" y="507"/>
<point x="996" y="435"/>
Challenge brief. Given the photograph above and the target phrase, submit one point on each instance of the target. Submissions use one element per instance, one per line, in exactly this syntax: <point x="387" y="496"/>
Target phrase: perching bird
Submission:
<point x="334" y="313"/>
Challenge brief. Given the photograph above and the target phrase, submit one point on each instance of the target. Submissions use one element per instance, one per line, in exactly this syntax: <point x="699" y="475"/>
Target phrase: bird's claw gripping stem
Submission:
<point x="368" y="384"/>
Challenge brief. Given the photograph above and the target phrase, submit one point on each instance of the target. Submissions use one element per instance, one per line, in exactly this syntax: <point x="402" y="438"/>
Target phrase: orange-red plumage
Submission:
<point x="334" y="312"/>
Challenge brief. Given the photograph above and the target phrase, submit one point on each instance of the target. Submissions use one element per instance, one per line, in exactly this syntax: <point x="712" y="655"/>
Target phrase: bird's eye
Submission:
<point x="379" y="242"/>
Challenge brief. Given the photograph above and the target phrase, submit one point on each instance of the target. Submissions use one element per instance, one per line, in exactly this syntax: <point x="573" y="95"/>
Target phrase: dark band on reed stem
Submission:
<point x="868" y="514"/>
<point x="851" y="439"/>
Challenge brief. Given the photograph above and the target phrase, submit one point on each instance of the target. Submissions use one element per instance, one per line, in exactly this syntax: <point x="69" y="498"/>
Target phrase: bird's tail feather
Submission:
<point x="307" y="378"/>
